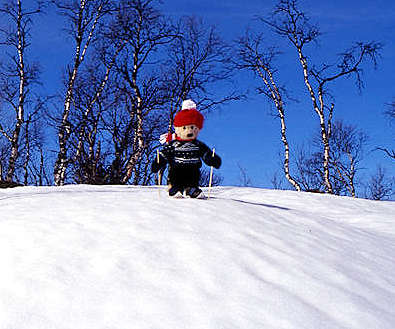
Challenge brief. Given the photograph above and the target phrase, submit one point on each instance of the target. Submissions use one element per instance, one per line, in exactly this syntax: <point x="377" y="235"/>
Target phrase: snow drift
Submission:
<point x="114" y="257"/>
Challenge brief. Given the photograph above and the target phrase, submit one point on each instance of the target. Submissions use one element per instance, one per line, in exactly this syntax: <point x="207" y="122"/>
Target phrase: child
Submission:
<point x="184" y="153"/>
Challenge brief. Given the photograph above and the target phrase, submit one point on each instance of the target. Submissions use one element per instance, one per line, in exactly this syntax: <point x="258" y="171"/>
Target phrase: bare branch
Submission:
<point x="390" y="153"/>
<point x="250" y="57"/>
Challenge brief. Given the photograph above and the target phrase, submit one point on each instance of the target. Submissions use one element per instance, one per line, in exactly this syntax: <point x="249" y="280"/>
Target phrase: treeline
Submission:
<point x="130" y="70"/>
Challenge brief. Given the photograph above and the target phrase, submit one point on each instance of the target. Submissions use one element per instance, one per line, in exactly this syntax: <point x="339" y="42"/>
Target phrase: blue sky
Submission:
<point x="244" y="133"/>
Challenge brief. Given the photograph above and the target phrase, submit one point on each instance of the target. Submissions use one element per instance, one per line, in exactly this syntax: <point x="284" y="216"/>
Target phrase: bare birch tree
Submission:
<point x="244" y="179"/>
<point x="347" y="144"/>
<point x="380" y="186"/>
<point x="85" y="142"/>
<point x="390" y="113"/>
<point x="308" y="171"/>
<point x="33" y="146"/>
<point x="294" y="25"/>
<point x="84" y="17"/>
<point x="92" y="98"/>
<point x="252" y="57"/>
<point x="146" y="32"/>
<point x="198" y="63"/>
<point x="17" y="75"/>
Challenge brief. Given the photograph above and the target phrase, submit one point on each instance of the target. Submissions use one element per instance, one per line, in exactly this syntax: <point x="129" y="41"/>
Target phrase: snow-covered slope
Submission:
<point x="84" y="257"/>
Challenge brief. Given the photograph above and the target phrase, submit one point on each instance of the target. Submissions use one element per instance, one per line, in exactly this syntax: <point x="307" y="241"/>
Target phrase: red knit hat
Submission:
<point x="188" y="116"/>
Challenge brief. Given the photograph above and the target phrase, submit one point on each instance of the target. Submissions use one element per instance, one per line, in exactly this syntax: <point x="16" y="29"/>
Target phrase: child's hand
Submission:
<point x="212" y="159"/>
<point x="167" y="137"/>
<point x="155" y="166"/>
<point x="216" y="161"/>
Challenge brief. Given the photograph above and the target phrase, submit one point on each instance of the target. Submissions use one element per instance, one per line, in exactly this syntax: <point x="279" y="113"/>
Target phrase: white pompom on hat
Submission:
<point x="188" y="115"/>
<point x="188" y="104"/>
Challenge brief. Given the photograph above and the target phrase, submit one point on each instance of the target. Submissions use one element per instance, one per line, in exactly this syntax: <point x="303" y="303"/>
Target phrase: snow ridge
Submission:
<point x="121" y="257"/>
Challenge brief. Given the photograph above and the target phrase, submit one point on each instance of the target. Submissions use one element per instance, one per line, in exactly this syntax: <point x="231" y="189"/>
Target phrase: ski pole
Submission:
<point x="211" y="177"/>
<point x="159" y="172"/>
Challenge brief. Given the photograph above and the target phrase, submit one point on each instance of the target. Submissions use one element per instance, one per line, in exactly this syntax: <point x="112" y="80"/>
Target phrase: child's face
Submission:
<point x="187" y="132"/>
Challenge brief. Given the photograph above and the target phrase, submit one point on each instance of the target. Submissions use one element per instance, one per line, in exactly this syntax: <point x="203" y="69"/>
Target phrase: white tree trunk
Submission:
<point x="21" y="99"/>
<point x="278" y="102"/>
<point x="64" y="128"/>
<point x="320" y="112"/>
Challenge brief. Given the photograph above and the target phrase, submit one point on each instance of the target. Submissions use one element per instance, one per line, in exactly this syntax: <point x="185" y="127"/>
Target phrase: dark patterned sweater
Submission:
<point x="185" y="154"/>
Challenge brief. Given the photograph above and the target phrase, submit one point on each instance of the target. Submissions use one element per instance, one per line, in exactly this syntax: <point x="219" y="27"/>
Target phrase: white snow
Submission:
<point x="100" y="257"/>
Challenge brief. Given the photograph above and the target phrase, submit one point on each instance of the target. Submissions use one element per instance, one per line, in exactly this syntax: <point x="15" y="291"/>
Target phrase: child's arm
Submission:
<point x="161" y="161"/>
<point x="208" y="157"/>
